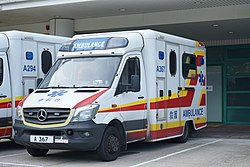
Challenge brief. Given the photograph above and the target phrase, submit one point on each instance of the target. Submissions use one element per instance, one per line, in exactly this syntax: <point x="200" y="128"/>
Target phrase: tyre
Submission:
<point x="110" y="146"/>
<point x="185" y="135"/>
<point x="35" y="152"/>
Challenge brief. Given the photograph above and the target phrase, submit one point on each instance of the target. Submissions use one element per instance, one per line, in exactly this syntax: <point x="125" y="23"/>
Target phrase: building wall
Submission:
<point x="235" y="63"/>
<point x="36" y="27"/>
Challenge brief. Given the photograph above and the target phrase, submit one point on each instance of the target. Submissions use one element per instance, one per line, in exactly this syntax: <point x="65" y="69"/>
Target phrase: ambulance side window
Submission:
<point x="172" y="63"/>
<point x="46" y="61"/>
<point x="130" y="74"/>
<point x="189" y="68"/>
<point x="1" y="71"/>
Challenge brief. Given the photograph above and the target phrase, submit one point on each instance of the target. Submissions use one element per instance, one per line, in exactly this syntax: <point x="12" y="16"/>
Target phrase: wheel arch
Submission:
<point x="120" y="126"/>
<point x="191" y="125"/>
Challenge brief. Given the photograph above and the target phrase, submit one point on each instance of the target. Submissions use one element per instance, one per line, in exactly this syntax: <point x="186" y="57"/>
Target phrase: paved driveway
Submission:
<point x="205" y="152"/>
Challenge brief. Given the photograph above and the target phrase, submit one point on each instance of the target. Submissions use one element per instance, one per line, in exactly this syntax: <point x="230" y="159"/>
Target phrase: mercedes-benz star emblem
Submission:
<point x="42" y="115"/>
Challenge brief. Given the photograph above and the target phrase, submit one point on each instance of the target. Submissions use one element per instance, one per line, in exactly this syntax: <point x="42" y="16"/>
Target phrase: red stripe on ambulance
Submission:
<point x="90" y="99"/>
<point x="4" y="131"/>
<point x="199" y="60"/>
<point x="131" y="136"/>
<point x="173" y="103"/>
<point x="203" y="100"/>
<point x="194" y="81"/>
<point x="8" y="104"/>
<point x="157" y="134"/>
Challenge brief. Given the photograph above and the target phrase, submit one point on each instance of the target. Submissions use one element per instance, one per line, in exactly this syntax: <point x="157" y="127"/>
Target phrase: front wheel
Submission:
<point x="110" y="146"/>
<point x="35" y="152"/>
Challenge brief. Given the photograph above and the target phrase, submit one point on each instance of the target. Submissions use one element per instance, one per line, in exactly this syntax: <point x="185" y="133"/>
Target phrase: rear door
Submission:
<point x="5" y="97"/>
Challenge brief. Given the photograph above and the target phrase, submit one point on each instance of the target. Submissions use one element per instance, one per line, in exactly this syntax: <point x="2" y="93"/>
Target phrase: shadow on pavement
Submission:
<point x="224" y="131"/>
<point x="6" y="144"/>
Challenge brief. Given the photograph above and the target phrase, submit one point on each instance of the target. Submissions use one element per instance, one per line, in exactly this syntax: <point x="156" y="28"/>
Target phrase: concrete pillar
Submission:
<point x="61" y="27"/>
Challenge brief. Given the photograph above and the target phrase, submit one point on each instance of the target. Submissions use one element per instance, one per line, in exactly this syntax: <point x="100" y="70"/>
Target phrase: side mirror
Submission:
<point x="39" y="80"/>
<point x="135" y="83"/>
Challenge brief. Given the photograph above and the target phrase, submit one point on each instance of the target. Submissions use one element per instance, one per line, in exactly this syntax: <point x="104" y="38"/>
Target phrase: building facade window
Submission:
<point x="235" y="61"/>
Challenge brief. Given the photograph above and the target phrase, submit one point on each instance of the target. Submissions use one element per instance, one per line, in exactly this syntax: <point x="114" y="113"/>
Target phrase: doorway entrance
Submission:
<point x="214" y="94"/>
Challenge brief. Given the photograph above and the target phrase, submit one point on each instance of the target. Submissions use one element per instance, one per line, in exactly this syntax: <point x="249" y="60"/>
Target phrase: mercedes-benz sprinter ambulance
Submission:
<point x="109" y="89"/>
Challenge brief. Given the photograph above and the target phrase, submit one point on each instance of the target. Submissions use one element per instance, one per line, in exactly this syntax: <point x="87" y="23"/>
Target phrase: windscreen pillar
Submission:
<point x="62" y="27"/>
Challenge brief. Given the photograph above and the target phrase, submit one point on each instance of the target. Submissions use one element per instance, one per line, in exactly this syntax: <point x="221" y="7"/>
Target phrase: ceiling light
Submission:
<point x="11" y="1"/>
<point x="122" y="10"/>
<point x="25" y="4"/>
<point x="197" y="2"/>
<point x="230" y="32"/>
<point x="215" y="25"/>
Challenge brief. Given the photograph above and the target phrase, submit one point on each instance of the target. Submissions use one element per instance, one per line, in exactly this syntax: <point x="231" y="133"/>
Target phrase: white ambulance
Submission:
<point x="109" y="89"/>
<point x="24" y="57"/>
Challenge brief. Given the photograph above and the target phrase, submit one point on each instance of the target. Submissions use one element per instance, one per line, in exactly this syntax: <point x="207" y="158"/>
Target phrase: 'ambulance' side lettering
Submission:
<point x="193" y="112"/>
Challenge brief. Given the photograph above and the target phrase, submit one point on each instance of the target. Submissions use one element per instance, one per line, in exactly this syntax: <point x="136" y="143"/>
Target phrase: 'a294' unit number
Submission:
<point x="29" y="68"/>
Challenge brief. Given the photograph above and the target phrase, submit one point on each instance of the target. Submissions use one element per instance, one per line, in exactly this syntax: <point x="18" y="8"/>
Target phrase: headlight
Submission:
<point x="19" y="113"/>
<point x="85" y="113"/>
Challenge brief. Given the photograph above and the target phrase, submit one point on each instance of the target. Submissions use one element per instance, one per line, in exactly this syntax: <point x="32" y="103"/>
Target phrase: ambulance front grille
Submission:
<point x="45" y="116"/>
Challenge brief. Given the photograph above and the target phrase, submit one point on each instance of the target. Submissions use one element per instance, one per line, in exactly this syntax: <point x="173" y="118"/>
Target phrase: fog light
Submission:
<point x="70" y="132"/>
<point x="85" y="134"/>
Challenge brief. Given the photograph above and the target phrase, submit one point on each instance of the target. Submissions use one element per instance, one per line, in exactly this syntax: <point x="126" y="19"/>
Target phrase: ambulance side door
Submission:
<point x="5" y="97"/>
<point x="173" y="84"/>
<point x="131" y="92"/>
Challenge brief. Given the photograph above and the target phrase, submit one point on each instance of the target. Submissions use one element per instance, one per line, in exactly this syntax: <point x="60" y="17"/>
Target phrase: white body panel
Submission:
<point x="57" y="98"/>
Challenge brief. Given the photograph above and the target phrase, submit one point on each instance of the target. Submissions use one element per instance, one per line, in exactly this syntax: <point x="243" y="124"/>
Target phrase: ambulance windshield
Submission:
<point x="82" y="72"/>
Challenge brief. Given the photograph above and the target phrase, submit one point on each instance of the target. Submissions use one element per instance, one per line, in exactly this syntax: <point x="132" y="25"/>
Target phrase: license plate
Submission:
<point x="41" y="139"/>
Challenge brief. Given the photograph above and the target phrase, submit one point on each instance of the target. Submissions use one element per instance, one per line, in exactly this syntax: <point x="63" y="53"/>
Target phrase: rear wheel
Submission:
<point x="35" y="152"/>
<point x="185" y="135"/>
<point x="110" y="146"/>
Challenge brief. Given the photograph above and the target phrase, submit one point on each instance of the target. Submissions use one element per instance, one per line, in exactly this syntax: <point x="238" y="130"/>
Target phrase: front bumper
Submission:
<point x="77" y="140"/>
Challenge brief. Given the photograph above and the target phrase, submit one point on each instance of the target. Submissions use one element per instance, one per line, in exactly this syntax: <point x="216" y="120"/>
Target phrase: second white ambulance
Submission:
<point x="24" y="58"/>
<point x="110" y="89"/>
